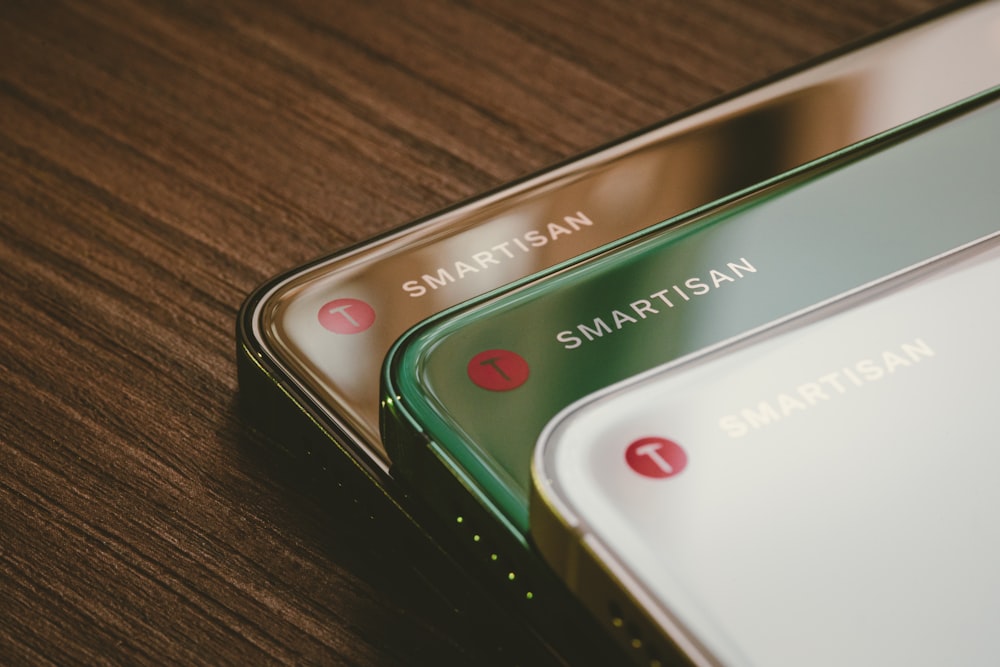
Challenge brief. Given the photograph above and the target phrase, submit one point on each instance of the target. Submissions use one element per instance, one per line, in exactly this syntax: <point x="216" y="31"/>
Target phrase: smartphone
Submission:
<point x="311" y="342"/>
<point x="468" y="392"/>
<point x="820" y="492"/>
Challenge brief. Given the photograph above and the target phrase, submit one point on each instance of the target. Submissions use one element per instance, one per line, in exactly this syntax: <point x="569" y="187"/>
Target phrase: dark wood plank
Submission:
<point x="158" y="160"/>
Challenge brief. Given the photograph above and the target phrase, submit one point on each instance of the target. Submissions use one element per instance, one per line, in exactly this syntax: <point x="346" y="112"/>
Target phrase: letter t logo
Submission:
<point x="346" y="316"/>
<point x="657" y="458"/>
<point x="498" y="370"/>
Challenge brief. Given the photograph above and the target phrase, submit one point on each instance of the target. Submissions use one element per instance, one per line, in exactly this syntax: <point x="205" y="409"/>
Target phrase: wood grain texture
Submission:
<point x="158" y="160"/>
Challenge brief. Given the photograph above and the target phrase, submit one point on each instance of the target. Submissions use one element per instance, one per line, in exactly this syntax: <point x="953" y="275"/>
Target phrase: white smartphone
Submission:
<point x="820" y="491"/>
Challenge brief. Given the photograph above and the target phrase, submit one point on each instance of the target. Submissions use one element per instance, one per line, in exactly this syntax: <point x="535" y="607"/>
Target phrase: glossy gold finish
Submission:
<point x="554" y="216"/>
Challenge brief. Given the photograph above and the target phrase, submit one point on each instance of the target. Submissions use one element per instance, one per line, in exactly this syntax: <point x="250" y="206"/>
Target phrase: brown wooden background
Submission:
<point x="158" y="160"/>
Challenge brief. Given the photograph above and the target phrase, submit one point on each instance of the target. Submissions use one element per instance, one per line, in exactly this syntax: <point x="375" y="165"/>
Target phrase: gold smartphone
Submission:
<point x="310" y="343"/>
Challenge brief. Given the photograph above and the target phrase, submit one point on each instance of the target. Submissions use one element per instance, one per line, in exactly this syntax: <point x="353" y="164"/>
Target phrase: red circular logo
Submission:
<point x="346" y="316"/>
<point x="498" y="370"/>
<point x="658" y="458"/>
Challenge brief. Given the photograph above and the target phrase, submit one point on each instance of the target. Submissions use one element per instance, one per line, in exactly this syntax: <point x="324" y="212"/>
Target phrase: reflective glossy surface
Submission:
<point x="379" y="289"/>
<point x="832" y="229"/>
<point x="836" y="502"/>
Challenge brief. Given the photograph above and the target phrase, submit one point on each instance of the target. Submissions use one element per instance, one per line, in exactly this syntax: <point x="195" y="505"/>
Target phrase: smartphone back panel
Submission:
<point x="822" y="492"/>
<point x="472" y="389"/>
<point x="312" y="341"/>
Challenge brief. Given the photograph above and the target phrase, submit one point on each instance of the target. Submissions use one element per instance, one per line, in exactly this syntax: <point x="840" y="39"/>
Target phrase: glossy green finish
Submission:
<point x="685" y="285"/>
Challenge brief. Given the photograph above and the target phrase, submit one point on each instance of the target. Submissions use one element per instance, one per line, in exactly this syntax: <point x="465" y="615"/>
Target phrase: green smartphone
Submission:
<point x="822" y="492"/>
<point x="467" y="393"/>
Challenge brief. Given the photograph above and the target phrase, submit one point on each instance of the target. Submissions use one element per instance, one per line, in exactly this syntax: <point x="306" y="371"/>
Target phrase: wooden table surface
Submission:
<point x="158" y="159"/>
